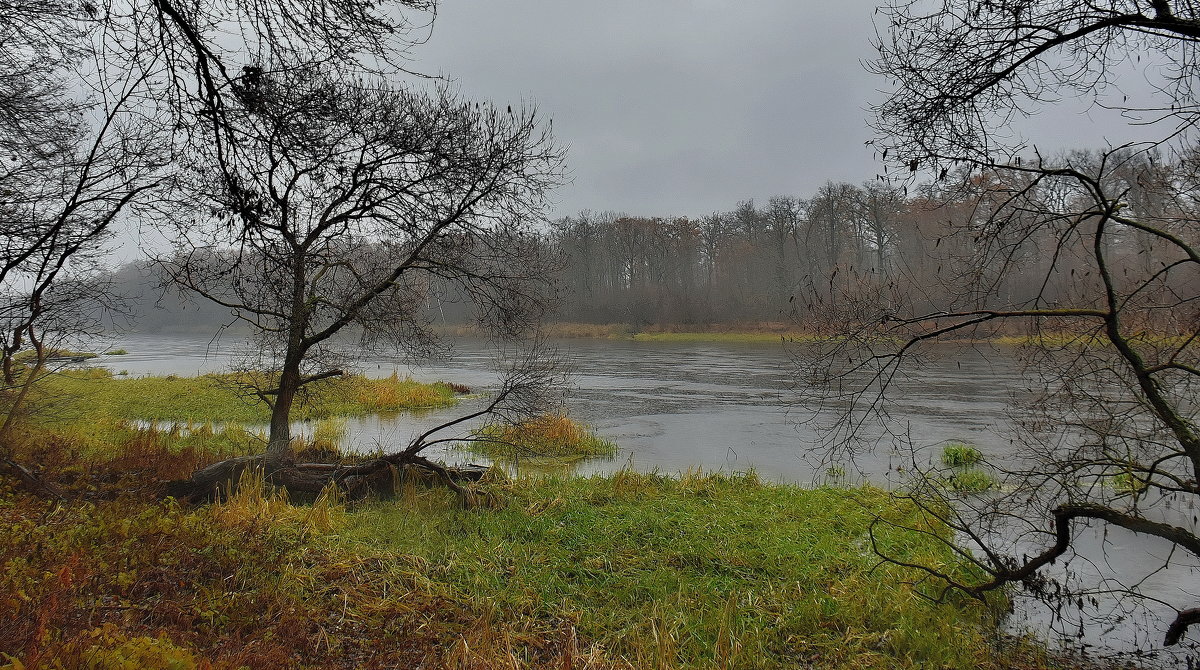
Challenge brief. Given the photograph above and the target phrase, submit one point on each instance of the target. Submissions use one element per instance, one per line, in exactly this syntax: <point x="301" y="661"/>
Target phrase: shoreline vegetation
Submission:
<point x="768" y="333"/>
<point x="625" y="571"/>
<point x="91" y="394"/>
<point x="631" y="570"/>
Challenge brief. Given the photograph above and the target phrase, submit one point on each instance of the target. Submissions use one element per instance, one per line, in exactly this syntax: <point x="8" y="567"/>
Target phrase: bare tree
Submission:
<point x="96" y="101"/>
<point x="1118" y="444"/>
<point x="73" y="160"/>
<point x="350" y="198"/>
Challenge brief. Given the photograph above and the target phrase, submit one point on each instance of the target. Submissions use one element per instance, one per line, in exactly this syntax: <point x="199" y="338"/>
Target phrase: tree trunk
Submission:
<point x="279" y="440"/>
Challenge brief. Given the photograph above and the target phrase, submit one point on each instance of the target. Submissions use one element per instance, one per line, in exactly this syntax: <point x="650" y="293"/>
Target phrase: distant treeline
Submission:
<point x="851" y="251"/>
<point x="848" y="248"/>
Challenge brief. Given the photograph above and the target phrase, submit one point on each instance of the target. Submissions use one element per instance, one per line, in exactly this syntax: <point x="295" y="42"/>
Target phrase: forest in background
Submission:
<point x="847" y="252"/>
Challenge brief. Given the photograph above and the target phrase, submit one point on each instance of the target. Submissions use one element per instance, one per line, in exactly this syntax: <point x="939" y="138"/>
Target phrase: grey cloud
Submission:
<point x="684" y="107"/>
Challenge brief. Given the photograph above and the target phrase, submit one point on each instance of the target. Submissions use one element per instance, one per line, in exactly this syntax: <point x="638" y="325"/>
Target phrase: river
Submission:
<point x="733" y="407"/>
<point x="672" y="406"/>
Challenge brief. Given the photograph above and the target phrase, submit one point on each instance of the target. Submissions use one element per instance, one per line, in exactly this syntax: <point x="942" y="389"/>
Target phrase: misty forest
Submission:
<point x="866" y="341"/>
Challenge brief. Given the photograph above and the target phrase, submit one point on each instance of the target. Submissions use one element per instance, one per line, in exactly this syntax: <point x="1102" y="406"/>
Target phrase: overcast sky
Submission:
<point x="687" y="106"/>
<point x="674" y="106"/>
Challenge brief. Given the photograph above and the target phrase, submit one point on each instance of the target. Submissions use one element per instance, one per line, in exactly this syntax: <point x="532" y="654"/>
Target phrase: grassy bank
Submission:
<point x="1092" y="340"/>
<point x="703" y="571"/>
<point x="627" y="571"/>
<point x="619" y="572"/>
<point x="75" y="396"/>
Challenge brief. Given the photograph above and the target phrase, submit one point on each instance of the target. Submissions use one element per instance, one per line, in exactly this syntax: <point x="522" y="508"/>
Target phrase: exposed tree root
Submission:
<point x="305" y="481"/>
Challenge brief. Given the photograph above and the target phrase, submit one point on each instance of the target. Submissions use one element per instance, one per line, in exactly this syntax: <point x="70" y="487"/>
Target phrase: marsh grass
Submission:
<point x="550" y="436"/>
<point x="589" y="330"/>
<point x="1091" y="340"/>
<point x="682" y="333"/>
<point x="957" y="454"/>
<point x="73" y="396"/>
<point x="30" y="354"/>
<point x="1127" y="482"/>
<point x="774" y="332"/>
<point x="724" y="338"/>
<point x="964" y="476"/>
<point x="329" y="433"/>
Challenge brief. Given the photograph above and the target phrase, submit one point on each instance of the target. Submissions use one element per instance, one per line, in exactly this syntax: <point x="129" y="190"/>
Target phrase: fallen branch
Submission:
<point x="305" y="481"/>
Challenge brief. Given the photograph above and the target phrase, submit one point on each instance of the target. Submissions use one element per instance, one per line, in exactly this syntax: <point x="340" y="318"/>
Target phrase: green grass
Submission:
<point x="957" y="454"/>
<point x="966" y="478"/>
<point x="697" y="572"/>
<point x="87" y="395"/>
<point x="551" y="436"/>
<point x="622" y="572"/>
<point x="116" y="352"/>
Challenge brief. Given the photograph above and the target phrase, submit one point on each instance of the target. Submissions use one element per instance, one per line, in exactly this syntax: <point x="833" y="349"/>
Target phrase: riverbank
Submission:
<point x="91" y="394"/>
<point x="625" y="571"/>
<point x="788" y="332"/>
<point x="748" y="333"/>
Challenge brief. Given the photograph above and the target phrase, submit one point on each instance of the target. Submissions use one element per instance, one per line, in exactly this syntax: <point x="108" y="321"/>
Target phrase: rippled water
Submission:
<point x="673" y="406"/>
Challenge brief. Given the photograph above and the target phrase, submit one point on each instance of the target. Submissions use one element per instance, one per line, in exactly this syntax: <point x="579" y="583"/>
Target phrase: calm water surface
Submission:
<point x="675" y="407"/>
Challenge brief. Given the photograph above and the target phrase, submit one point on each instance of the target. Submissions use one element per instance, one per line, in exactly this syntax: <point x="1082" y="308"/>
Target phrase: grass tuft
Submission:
<point x="1128" y="482"/>
<point x="551" y="436"/>
<point x="957" y="454"/>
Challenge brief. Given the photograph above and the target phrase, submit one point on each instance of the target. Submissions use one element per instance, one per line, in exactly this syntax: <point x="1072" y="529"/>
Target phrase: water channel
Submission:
<point x="725" y="407"/>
